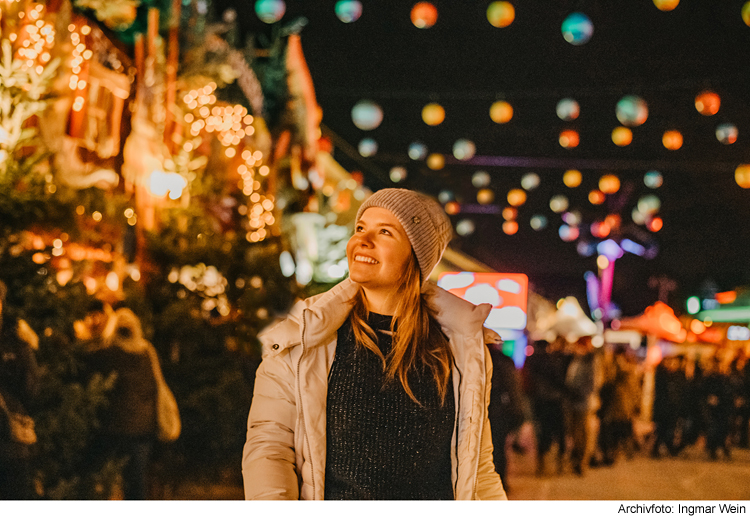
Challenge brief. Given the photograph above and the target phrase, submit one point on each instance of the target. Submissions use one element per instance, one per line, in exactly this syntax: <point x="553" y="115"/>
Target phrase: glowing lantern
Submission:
<point x="572" y="178"/>
<point x="436" y="161"/>
<point x="672" y="140"/>
<point x="367" y="147"/>
<point x="666" y="5"/>
<point x="452" y="208"/>
<point x="417" y="151"/>
<point x="510" y="227"/>
<point x="653" y="179"/>
<point x="649" y="204"/>
<point x="516" y="197"/>
<point x="622" y="136"/>
<point x="569" y="139"/>
<point x="424" y="15"/>
<point x="397" y="174"/>
<point x="464" y="149"/>
<point x="558" y="203"/>
<point x="609" y="184"/>
<point x="577" y="29"/>
<point x="707" y="103"/>
<point x="348" y="10"/>
<point x="746" y="13"/>
<point x="538" y="222"/>
<point x="742" y="176"/>
<point x="631" y="111"/>
<point x="465" y="227"/>
<point x="568" y="233"/>
<point x="596" y="197"/>
<point x="530" y="181"/>
<point x="568" y="109"/>
<point x="501" y="112"/>
<point x="501" y="14"/>
<point x="433" y="114"/>
<point x="445" y="196"/>
<point x="655" y="224"/>
<point x="480" y="179"/>
<point x="510" y="213"/>
<point x="270" y="11"/>
<point x="485" y="196"/>
<point x="367" y="115"/>
<point x="726" y="133"/>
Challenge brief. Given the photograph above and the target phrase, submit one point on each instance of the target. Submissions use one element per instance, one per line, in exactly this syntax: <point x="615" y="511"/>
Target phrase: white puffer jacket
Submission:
<point x="285" y="452"/>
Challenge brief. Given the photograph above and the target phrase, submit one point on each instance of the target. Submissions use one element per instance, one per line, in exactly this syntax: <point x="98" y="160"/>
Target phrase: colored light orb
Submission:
<point x="655" y="224"/>
<point x="516" y="197"/>
<point x="568" y="233"/>
<point x="707" y="103"/>
<point x="464" y="149"/>
<point x="726" y="133"/>
<point x="638" y="217"/>
<point x="465" y="227"/>
<point x="397" y="174"/>
<point x="653" y="179"/>
<point x="609" y="184"/>
<point x="510" y="227"/>
<point x="452" y="208"/>
<point x="572" y="217"/>
<point x="649" y="204"/>
<point x="433" y="114"/>
<point x="436" y="161"/>
<point x="270" y="11"/>
<point x="538" y="222"/>
<point x="596" y="197"/>
<point x="485" y="196"/>
<point x="445" y="196"/>
<point x="501" y="14"/>
<point x="585" y="249"/>
<point x="569" y="139"/>
<point x="742" y="176"/>
<point x="577" y="29"/>
<point x="672" y="140"/>
<point x="558" y="203"/>
<point x="613" y="220"/>
<point x="367" y="115"/>
<point x="367" y="147"/>
<point x="530" y="181"/>
<point x="480" y="179"/>
<point x="501" y="112"/>
<point x="600" y="230"/>
<point x="568" y="109"/>
<point x="424" y="15"/>
<point x="746" y="13"/>
<point x="666" y="5"/>
<point x="572" y="178"/>
<point x="631" y="111"/>
<point x="622" y="136"/>
<point x="348" y="10"/>
<point x="417" y="151"/>
<point x="510" y="213"/>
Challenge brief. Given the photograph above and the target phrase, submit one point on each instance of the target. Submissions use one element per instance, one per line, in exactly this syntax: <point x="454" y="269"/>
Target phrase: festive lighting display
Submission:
<point x="568" y="109"/>
<point x="666" y="5"/>
<point x="530" y="181"/>
<point x="672" y="140"/>
<point x="569" y="139"/>
<point x="577" y="29"/>
<point x="367" y="115"/>
<point x="726" y="133"/>
<point x="348" y="10"/>
<point x="510" y="213"/>
<point x="501" y="14"/>
<point x="464" y="149"/>
<point x="653" y="179"/>
<point x="622" y="136"/>
<point x="516" y="197"/>
<point x="707" y="103"/>
<point x="631" y="111"/>
<point x="270" y="11"/>
<point x="424" y="15"/>
<point x="480" y="179"/>
<point x="367" y="147"/>
<point x="572" y="178"/>
<point x="609" y="184"/>
<point x="433" y="114"/>
<point x="501" y="112"/>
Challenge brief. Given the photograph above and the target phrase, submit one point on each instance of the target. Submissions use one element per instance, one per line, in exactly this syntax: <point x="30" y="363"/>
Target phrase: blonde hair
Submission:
<point x="418" y="340"/>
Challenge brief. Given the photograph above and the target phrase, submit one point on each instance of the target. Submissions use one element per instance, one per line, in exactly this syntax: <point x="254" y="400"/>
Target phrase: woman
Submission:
<point x="378" y="388"/>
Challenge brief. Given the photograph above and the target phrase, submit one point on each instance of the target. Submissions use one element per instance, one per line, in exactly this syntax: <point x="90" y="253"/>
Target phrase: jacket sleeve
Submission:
<point x="268" y="460"/>
<point x="489" y="485"/>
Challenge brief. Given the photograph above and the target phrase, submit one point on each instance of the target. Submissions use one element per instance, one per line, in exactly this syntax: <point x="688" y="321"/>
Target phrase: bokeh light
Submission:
<point x="452" y="207"/>
<point x="558" y="203"/>
<point x="433" y="114"/>
<point x="464" y="149"/>
<point x="742" y="176"/>
<point x="726" y="133"/>
<point x="501" y="112"/>
<point x="510" y="227"/>
<point x="538" y="222"/>
<point x="367" y="147"/>
<point x="398" y="174"/>
<point x="572" y="217"/>
<point x="424" y="15"/>
<point x="572" y="178"/>
<point x="417" y="151"/>
<point x="270" y="11"/>
<point x="569" y="139"/>
<point x="746" y="13"/>
<point x="465" y="227"/>
<point x="622" y="136"/>
<point x="613" y="220"/>
<point x="638" y="217"/>
<point x="672" y="140"/>
<point x="510" y="213"/>
<point x="480" y="179"/>
<point x="436" y="161"/>
<point x="631" y="111"/>
<point x="516" y="197"/>
<point x="568" y="233"/>
<point x="596" y="197"/>
<point x="577" y="29"/>
<point x="367" y="115"/>
<point x="600" y="230"/>
<point x="348" y="10"/>
<point x="666" y="5"/>
<point x="485" y="196"/>
<point x="445" y="196"/>
<point x="568" y="109"/>
<point x="609" y="184"/>
<point x="655" y="224"/>
<point x="649" y="204"/>
<point x="501" y="14"/>
<point x="707" y="103"/>
<point x="653" y="179"/>
<point x="530" y="181"/>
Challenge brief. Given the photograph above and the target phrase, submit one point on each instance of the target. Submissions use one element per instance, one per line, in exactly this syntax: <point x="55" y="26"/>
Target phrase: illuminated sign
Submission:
<point x="738" y="333"/>
<point x="507" y="293"/>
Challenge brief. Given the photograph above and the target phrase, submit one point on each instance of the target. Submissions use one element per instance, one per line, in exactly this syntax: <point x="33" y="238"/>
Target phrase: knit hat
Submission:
<point x="423" y="220"/>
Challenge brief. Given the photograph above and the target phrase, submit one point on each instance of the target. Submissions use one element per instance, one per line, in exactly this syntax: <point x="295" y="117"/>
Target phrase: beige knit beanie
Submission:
<point x="423" y="220"/>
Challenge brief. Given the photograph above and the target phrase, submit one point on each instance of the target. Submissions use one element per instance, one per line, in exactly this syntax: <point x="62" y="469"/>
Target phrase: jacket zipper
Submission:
<point x="299" y="400"/>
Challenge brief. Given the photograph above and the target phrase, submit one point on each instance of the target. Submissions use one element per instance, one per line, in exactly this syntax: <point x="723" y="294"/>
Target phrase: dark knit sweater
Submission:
<point x="381" y="445"/>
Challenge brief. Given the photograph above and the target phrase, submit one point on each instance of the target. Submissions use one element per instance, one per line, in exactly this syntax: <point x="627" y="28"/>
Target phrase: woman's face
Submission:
<point x="379" y="251"/>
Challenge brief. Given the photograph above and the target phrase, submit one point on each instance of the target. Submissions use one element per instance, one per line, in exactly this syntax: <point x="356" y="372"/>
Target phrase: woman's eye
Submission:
<point x="358" y="228"/>
<point x="385" y="231"/>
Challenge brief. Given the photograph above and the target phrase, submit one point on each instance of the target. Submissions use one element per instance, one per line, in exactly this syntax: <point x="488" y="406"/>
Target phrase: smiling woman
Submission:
<point x="377" y="389"/>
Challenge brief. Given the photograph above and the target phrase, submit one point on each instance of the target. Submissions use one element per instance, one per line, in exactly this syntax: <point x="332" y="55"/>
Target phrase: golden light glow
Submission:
<point x="433" y="114"/>
<point x="609" y="184"/>
<point x="672" y="140"/>
<point x="501" y="112"/>
<point x="516" y="197"/>
<point x="572" y="178"/>
<point x="622" y="136"/>
<point x="569" y="139"/>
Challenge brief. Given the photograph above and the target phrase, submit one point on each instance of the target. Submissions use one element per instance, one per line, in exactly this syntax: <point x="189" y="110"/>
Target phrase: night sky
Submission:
<point x="466" y="64"/>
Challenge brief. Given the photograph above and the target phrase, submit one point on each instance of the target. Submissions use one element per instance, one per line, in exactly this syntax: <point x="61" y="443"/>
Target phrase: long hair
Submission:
<point x="418" y="342"/>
